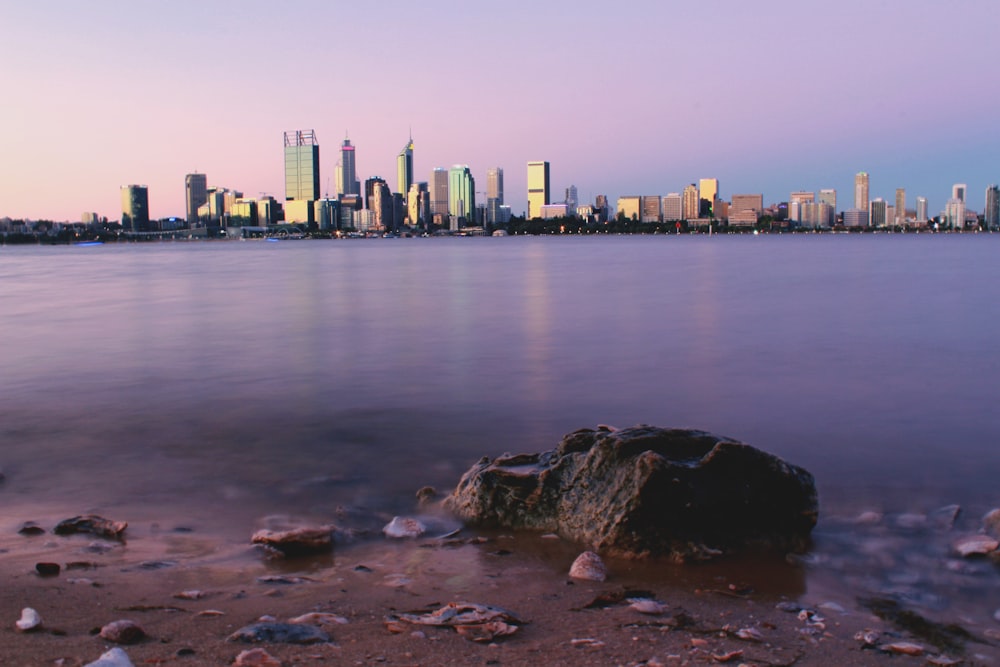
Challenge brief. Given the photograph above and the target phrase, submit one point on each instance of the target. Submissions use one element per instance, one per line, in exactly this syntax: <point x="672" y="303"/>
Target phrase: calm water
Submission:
<point x="218" y="382"/>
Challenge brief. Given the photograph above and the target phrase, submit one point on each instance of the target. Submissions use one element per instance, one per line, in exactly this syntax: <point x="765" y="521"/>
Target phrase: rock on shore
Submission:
<point x="645" y="491"/>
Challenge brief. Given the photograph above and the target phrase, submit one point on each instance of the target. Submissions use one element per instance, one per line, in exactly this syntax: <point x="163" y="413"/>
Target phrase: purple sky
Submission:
<point x="634" y="97"/>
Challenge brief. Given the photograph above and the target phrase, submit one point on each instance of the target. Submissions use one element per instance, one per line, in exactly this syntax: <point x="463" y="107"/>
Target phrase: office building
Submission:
<point x="601" y="208"/>
<point x="796" y="201"/>
<point x="538" y="187"/>
<point x="348" y="183"/>
<point x="861" y="191"/>
<point x="135" y="208"/>
<point x="461" y="192"/>
<point x="747" y="203"/>
<point x="630" y="207"/>
<point x="899" y="214"/>
<point x="958" y="192"/>
<point x="381" y="205"/>
<point x="418" y="204"/>
<point x="650" y="208"/>
<point x="708" y="191"/>
<point x="829" y="196"/>
<point x="439" y="191"/>
<point x="991" y="214"/>
<point x="855" y="217"/>
<point x="370" y="184"/>
<point x="922" y="210"/>
<point x="690" y="205"/>
<point x="672" y="207"/>
<point x="954" y="212"/>
<point x="572" y="200"/>
<point x="404" y="169"/>
<point x="877" y="212"/>
<point x="550" y="211"/>
<point x="195" y="194"/>
<point x="494" y="195"/>
<point x="301" y="166"/>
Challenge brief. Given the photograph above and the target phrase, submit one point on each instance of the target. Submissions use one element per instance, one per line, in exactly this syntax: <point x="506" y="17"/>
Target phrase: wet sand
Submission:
<point x="706" y="605"/>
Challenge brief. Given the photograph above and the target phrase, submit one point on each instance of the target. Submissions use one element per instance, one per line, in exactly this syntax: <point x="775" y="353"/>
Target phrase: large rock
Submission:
<point x="645" y="491"/>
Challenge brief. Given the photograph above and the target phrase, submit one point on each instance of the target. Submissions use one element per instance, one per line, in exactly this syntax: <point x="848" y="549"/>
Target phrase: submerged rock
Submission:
<point x="123" y="632"/>
<point x="280" y="633"/>
<point x="975" y="545"/>
<point x="645" y="490"/>
<point x="403" y="527"/>
<point x="298" y="541"/>
<point x="92" y="524"/>
<point x="30" y="529"/>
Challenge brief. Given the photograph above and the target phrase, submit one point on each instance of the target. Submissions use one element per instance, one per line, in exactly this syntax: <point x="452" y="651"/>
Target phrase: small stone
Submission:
<point x="123" y="632"/>
<point x="647" y="606"/>
<point x="30" y="529"/>
<point x="426" y="494"/>
<point x="47" y="569"/>
<point x="944" y="518"/>
<point x="943" y="661"/>
<point x="319" y="618"/>
<point x="729" y="656"/>
<point x="256" y="657"/>
<point x="296" y="542"/>
<point x="911" y="520"/>
<point x="588" y="566"/>
<point x="210" y="612"/>
<point x="975" y="545"/>
<point x="113" y="658"/>
<point x="902" y="648"/>
<point x="868" y="518"/>
<point x="92" y="524"/>
<point x="190" y="595"/>
<point x="991" y="523"/>
<point x="30" y="620"/>
<point x="750" y="635"/>
<point x="187" y="650"/>
<point x="404" y="527"/>
<point x="831" y="606"/>
<point x="281" y="633"/>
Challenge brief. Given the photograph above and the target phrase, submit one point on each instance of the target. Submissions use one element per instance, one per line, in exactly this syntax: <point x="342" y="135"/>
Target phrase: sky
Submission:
<point x="635" y="97"/>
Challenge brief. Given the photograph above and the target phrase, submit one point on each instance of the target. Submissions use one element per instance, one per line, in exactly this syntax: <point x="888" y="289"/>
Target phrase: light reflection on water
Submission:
<point x="219" y="382"/>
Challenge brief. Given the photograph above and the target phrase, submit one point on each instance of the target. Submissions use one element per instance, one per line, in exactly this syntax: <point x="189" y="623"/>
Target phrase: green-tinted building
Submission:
<point x="461" y="192"/>
<point x="301" y="166"/>
<point x="135" y="208"/>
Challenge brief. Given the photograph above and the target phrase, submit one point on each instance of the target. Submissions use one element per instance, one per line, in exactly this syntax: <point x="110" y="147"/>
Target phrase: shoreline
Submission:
<point x="706" y="606"/>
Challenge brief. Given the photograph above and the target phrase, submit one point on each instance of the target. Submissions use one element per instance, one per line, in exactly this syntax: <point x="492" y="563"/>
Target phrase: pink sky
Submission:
<point x="621" y="98"/>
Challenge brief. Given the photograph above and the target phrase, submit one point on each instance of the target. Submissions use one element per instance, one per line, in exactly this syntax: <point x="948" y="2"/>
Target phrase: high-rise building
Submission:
<point x="135" y="208"/>
<point x="348" y="183"/>
<point x="195" y="194"/>
<point x="690" y="204"/>
<point x="708" y="190"/>
<point x="380" y="205"/>
<point x="572" y="199"/>
<point x="954" y="213"/>
<point x="461" y="192"/>
<point x="900" y="208"/>
<point x="439" y="191"/>
<point x="494" y="184"/>
<point x="650" y="208"/>
<point x="404" y="168"/>
<point x="991" y="214"/>
<point x="747" y="203"/>
<point x="922" y="210"/>
<point x="829" y="196"/>
<point x="538" y="188"/>
<point x="601" y="208"/>
<point x="796" y="203"/>
<point x="877" y="212"/>
<point x="301" y="166"/>
<point x="861" y="191"/>
<point x="630" y="207"/>
<point x="672" y="208"/>
<point x="418" y="204"/>
<point x="958" y="192"/>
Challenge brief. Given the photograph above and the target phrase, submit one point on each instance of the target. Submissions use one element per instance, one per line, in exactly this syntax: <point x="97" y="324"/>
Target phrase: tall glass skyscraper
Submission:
<point x="301" y="166"/>
<point x="135" y="208"/>
<point x="538" y="188"/>
<point x="439" y="191"/>
<point x="195" y="194"/>
<point x="404" y="168"/>
<point x="348" y="184"/>
<point x="861" y="191"/>
<point x="494" y="194"/>
<point x="461" y="192"/>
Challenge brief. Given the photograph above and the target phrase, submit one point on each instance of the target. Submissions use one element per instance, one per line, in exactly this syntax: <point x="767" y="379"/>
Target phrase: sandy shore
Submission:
<point x="706" y="607"/>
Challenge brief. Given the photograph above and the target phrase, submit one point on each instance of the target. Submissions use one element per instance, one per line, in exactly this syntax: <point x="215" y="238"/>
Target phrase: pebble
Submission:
<point x="113" y="658"/>
<point x="93" y="524"/>
<point x="211" y="612"/>
<point x="991" y="523"/>
<point x="902" y="648"/>
<point x="298" y="541"/>
<point x="403" y="527"/>
<point x="190" y="595"/>
<point x="588" y="566"/>
<point x="282" y="633"/>
<point x="47" y="569"/>
<point x="123" y="632"/>
<point x="911" y="520"/>
<point x="319" y="618"/>
<point x="868" y="518"/>
<point x="30" y="529"/>
<point x="256" y="657"/>
<point x="975" y="545"/>
<point x="647" y="606"/>
<point x="30" y="620"/>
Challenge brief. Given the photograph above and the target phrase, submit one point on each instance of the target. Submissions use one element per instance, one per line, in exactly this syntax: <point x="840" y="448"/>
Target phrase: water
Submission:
<point x="214" y="383"/>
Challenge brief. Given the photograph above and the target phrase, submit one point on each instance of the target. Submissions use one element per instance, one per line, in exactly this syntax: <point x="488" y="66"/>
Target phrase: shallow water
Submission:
<point x="211" y="384"/>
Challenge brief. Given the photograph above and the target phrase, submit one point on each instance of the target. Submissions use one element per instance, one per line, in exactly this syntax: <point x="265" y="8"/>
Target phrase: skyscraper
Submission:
<point x="439" y="191"/>
<point x="861" y="191"/>
<point x="538" y="188"/>
<point x="922" y="210"/>
<point x="689" y="203"/>
<point x="461" y="192"/>
<point x="301" y="166"/>
<point x="135" y="208"/>
<point x="900" y="211"/>
<point x="494" y="194"/>
<point x="708" y="189"/>
<point x="991" y="214"/>
<point x="348" y="184"/>
<point x="958" y="192"/>
<point x="404" y="168"/>
<point x="418" y="204"/>
<point x="572" y="199"/>
<point x="877" y="212"/>
<point x="672" y="208"/>
<point x="195" y="194"/>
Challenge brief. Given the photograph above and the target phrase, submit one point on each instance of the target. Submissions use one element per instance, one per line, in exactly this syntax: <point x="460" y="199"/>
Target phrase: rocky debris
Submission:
<point x="947" y="637"/>
<point x="588" y="566"/>
<point x="297" y="541"/>
<point x="190" y="595"/>
<point x="47" y="569"/>
<point x="975" y="545"/>
<point x="426" y="495"/>
<point x="476" y="622"/>
<point x="93" y="525"/>
<point x="284" y="580"/>
<point x="868" y="638"/>
<point x="403" y="527"/>
<point x="113" y="658"/>
<point x="319" y="618"/>
<point x="944" y="518"/>
<point x="647" y="606"/>
<point x="902" y="648"/>
<point x="279" y="633"/>
<point x="645" y="490"/>
<point x="30" y="620"/>
<point x="991" y="523"/>
<point x="123" y="632"/>
<point x="30" y="529"/>
<point x="256" y="657"/>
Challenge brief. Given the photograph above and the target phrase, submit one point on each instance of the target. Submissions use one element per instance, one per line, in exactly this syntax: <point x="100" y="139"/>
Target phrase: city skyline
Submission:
<point x="722" y="97"/>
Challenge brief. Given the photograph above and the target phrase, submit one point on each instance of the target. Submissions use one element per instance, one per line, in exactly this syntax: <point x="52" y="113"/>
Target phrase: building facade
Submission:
<point x="690" y="202"/>
<point x="877" y="212"/>
<point x="922" y="210"/>
<point x="991" y="214"/>
<point x="404" y="169"/>
<point x="195" y="194"/>
<point x="861" y="191"/>
<point x="135" y="208"/>
<point x="650" y="207"/>
<point x="439" y="191"/>
<point x="629" y="207"/>
<point x="348" y="183"/>
<point x="538" y="187"/>
<point x="672" y="207"/>
<point x="301" y="166"/>
<point x="461" y="192"/>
